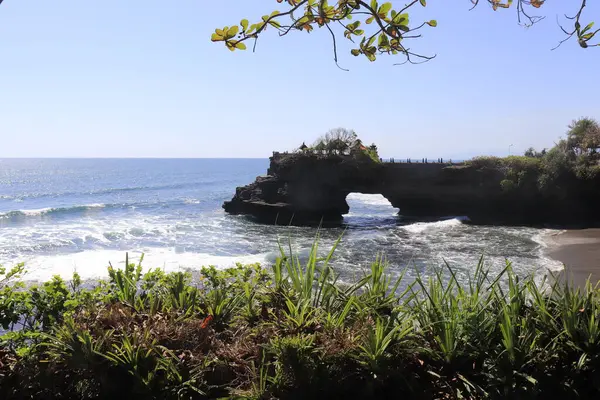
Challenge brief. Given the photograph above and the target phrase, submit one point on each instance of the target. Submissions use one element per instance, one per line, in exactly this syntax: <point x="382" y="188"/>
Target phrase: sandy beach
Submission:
<point x="579" y="250"/>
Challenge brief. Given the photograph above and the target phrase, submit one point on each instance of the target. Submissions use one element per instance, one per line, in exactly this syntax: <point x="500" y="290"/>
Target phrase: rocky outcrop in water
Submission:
<point x="308" y="188"/>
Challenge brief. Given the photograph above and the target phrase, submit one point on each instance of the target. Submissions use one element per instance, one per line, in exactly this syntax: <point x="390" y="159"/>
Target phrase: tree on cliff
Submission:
<point x="320" y="147"/>
<point x="583" y="137"/>
<point x="530" y="152"/>
<point x="337" y="140"/>
<point x="390" y="30"/>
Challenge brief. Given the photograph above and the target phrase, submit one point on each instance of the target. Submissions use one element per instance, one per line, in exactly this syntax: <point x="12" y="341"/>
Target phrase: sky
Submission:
<point x="142" y="79"/>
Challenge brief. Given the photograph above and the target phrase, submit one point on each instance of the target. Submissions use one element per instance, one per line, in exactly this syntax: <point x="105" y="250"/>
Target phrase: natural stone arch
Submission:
<point x="310" y="189"/>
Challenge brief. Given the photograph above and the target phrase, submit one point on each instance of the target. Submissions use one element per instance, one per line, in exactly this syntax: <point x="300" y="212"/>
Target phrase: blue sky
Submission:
<point x="142" y="79"/>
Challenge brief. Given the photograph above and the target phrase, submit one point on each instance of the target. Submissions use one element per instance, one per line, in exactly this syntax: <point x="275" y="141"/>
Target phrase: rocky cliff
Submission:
<point x="306" y="189"/>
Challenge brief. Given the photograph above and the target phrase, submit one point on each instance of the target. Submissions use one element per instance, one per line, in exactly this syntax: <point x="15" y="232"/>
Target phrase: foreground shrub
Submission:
<point x="295" y="332"/>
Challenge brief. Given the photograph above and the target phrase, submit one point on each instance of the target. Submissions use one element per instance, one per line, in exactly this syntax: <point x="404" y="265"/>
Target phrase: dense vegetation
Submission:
<point x="295" y="332"/>
<point x="341" y="141"/>
<point x="573" y="163"/>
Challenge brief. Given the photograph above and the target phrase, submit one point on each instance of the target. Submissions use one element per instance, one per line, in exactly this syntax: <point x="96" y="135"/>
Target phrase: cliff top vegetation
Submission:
<point x="341" y="141"/>
<point x="574" y="158"/>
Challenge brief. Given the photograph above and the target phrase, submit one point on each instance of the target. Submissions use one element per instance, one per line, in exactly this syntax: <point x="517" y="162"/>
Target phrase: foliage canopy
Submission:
<point x="379" y="28"/>
<point x="572" y="164"/>
<point x="342" y="141"/>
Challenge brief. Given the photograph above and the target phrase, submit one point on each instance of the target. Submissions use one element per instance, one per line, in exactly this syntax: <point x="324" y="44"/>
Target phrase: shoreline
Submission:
<point x="579" y="251"/>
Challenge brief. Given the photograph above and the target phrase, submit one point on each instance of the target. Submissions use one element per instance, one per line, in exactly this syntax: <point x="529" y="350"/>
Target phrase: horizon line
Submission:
<point x="132" y="158"/>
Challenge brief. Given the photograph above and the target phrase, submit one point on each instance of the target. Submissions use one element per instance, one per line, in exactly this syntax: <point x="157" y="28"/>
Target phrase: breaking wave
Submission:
<point x="101" y="191"/>
<point x="51" y="211"/>
<point x="437" y="225"/>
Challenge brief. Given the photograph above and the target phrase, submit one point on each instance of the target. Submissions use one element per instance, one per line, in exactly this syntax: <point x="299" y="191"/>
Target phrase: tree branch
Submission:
<point x="335" y="57"/>
<point x="392" y="26"/>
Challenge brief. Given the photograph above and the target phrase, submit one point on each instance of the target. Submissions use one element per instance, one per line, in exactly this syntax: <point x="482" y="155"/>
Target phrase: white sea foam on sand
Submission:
<point x="543" y="238"/>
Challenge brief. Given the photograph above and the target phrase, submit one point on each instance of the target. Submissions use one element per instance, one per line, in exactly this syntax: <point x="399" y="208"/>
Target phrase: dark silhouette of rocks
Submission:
<point x="307" y="189"/>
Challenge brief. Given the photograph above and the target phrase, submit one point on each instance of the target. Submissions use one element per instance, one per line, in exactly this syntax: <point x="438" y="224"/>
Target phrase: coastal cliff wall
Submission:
<point x="308" y="188"/>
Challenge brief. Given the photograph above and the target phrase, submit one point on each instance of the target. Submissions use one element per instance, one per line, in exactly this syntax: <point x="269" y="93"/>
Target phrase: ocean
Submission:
<point x="64" y="215"/>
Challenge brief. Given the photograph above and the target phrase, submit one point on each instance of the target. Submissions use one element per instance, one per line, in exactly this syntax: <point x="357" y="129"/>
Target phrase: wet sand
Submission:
<point x="579" y="250"/>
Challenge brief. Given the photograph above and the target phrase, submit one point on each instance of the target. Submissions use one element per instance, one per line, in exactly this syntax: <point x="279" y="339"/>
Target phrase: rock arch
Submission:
<point x="309" y="189"/>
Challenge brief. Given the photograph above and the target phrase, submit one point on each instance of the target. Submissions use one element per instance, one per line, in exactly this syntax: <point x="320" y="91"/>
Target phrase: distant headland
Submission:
<point x="560" y="186"/>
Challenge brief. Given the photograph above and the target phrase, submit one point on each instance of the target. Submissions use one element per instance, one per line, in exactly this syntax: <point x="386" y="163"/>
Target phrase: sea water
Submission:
<point x="64" y="215"/>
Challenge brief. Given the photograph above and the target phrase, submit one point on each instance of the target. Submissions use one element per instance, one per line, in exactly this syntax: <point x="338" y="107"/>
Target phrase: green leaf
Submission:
<point x="400" y="19"/>
<point x="231" y="32"/>
<point x="432" y="23"/>
<point x="240" y="45"/>
<point x="355" y="52"/>
<point x="587" y="36"/>
<point x="588" y="27"/>
<point x="303" y="21"/>
<point x="244" y="24"/>
<point x="370" y="20"/>
<point x="385" y="8"/>
<point x="216" y="37"/>
<point x="383" y="41"/>
<point x="374" y="5"/>
<point x="423" y="3"/>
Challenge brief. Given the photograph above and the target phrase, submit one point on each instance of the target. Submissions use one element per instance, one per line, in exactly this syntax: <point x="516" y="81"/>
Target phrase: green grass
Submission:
<point x="293" y="331"/>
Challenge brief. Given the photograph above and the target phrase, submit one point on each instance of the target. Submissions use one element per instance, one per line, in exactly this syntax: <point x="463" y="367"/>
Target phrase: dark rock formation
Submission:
<point x="307" y="189"/>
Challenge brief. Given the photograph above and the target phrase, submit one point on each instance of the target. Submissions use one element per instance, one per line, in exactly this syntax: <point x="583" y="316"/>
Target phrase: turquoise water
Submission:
<point x="61" y="215"/>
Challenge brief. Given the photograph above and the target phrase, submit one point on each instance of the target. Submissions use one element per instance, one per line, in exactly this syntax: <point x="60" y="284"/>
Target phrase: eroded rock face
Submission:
<point x="309" y="189"/>
<point x="305" y="189"/>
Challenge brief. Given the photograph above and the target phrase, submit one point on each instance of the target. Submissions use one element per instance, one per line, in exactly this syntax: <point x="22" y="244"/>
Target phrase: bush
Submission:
<point x="521" y="163"/>
<point x="293" y="332"/>
<point x="514" y="163"/>
<point x="507" y="185"/>
<point x="481" y="162"/>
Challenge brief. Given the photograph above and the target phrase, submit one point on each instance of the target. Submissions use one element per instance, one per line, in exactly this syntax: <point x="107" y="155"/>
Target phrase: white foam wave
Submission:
<point x="550" y="264"/>
<point x="93" y="264"/>
<point x="191" y="201"/>
<point x="542" y="239"/>
<point x="50" y="210"/>
<point x="420" y="227"/>
<point x="370" y="199"/>
<point x="34" y="212"/>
